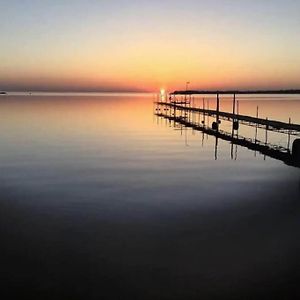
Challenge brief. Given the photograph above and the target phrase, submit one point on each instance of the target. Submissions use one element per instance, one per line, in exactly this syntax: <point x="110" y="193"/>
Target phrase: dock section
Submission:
<point x="271" y="125"/>
<point x="180" y="111"/>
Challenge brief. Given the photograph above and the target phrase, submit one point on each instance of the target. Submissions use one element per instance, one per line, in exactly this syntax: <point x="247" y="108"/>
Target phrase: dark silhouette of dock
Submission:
<point x="181" y="112"/>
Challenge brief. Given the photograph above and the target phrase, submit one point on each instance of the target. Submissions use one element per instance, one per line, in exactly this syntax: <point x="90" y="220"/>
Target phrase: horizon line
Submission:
<point x="233" y="91"/>
<point x="174" y="92"/>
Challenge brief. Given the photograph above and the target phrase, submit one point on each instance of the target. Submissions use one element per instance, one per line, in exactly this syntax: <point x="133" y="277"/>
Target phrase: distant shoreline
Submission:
<point x="43" y="93"/>
<point x="241" y="92"/>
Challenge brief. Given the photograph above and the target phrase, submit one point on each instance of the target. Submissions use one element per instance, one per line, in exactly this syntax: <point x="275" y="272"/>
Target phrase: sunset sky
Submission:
<point x="139" y="45"/>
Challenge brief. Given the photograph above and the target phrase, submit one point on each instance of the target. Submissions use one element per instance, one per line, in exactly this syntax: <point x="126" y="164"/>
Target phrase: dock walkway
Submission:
<point x="271" y="125"/>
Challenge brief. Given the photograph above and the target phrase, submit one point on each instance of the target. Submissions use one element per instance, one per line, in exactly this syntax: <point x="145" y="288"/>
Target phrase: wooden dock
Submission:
<point x="271" y="125"/>
<point x="181" y="112"/>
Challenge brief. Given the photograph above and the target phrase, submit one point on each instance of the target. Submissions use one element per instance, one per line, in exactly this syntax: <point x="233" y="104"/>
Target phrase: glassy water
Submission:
<point x="99" y="198"/>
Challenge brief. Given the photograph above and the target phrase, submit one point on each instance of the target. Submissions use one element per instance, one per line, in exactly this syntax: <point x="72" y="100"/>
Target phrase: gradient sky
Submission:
<point x="146" y="45"/>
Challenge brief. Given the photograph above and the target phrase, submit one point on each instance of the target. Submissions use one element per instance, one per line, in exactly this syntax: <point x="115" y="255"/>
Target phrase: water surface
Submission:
<point x="101" y="199"/>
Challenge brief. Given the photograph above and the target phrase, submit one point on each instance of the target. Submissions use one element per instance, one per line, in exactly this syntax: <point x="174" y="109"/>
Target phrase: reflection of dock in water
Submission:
<point x="183" y="114"/>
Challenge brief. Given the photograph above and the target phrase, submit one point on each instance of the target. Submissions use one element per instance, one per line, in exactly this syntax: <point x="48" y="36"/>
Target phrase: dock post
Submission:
<point x="256" y="128"/>
<point x="233" y="113"/>
<point x="218" y="109"/>
<point x="266" y="136"/>
<point x="207" y="105"/>
<point x="233" y="106"/>
<point x="289" y="136"/>
<point x="267" y="127"/>
<point x="215" y="125"/>
<point x="233" y="120"/>
<point x="203" y="104"/>
<point x="193" y="106"/>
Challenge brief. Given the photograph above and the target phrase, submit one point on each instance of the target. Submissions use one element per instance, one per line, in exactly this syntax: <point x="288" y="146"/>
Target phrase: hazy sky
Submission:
<point x="146" y="45"/>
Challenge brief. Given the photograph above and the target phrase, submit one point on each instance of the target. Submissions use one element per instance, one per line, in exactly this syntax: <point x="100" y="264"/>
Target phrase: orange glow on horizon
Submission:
<point x="148" y="45"/>
<point x="143" y="66"/>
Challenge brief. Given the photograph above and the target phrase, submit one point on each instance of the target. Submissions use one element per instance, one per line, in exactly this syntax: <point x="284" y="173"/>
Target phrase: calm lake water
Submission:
<point x="100" y="199"/>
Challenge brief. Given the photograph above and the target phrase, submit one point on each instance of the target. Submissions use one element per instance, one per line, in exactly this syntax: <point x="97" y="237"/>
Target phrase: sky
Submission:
<point x="139" y="45"/>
